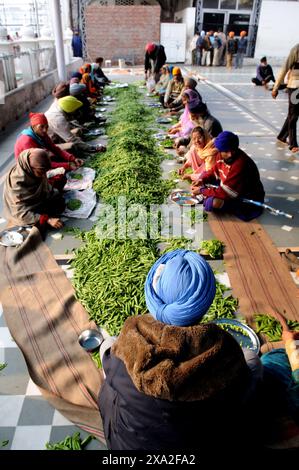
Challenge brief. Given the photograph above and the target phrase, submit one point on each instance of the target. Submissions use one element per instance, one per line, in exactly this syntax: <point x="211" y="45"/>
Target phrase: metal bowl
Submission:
<point x="247" y="338"/>
<point x="90" y="340"/>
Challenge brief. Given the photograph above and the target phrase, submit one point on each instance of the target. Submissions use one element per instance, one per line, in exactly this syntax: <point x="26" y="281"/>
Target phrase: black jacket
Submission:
<point x="159" y="58"/>
<point x="206" y="393"/>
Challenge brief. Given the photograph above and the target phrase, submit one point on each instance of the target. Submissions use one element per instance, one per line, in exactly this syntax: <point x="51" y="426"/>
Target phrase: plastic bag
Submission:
<point x="150" y="84"/>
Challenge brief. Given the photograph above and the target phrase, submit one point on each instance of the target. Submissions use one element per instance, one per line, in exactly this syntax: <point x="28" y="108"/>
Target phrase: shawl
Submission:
<point x="23" y="192"/>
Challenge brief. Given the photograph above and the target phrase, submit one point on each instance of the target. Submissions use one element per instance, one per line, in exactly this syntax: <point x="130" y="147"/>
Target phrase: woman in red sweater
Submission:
<point x="36" y="137"/>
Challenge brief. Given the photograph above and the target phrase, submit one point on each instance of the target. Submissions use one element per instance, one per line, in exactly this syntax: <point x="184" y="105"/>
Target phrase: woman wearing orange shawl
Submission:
<point x="201" y="156"/>
<point x="87" y="81"/>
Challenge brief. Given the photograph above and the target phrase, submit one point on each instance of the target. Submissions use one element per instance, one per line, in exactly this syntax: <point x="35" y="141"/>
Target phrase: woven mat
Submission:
<point x="45" y="320"/>
<point x="258" y="275"/>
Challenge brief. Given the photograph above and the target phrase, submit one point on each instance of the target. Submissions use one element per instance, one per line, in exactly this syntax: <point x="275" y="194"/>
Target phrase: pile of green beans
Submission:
<point x="73" y="442"/>
<point x="269" y="326"/>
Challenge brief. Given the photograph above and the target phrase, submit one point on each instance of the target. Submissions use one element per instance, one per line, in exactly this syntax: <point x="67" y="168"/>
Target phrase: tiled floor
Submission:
<point x="27" y="421"/>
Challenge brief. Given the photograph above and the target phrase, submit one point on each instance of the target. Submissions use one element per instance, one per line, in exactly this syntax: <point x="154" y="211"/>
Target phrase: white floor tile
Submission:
<point x="223" y="278"/>
<point x="31" y="438"/>
<point x="32" y="389"/>
<point x="10" y="407"/>
<point x="287" y="228"/>
<point x="60" y="420"/>
<point x="6" y="340"/>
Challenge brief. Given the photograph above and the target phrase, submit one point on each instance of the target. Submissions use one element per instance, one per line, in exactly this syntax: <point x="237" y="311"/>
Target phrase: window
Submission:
<point x="228" y="4"/>
<point x="210" y="4"/>
<point x="245" y="4"/>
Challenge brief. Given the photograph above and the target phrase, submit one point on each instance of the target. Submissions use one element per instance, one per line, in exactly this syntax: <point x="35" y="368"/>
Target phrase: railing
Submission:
<point x="23" y="67"/>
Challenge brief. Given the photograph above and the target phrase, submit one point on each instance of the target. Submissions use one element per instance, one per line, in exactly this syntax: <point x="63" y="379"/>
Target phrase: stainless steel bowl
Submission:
<point x="90" y="340"/>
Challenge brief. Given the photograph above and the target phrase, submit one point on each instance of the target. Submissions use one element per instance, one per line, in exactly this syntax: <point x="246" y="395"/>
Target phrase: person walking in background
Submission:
<point x="77" y="44"/>
<point x="290" y="71"/>
<point x="241" y="49"/>
<point x="264" y="74"/>
<point x="231" y="49"/>
<point x="154" y="60"/>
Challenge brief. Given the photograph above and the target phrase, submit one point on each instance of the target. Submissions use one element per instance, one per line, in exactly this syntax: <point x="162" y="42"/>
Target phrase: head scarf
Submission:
<point x="203" y="33"/>
<point x="77" y="75"/>
<point x="69" y="104"/>
<point x="23" y="191"/>
<point x="77" y="88"/>
<point x="61" y="90"/>
<point x="176" y="71"/>
<point x="38" y="160"/>
<point x="86" y="79"/>
<point x="86" y="68"/>
<point x="179" y="288"/>
<point x="191" y="83"/>
<point x="231" y="34"/>
<point x="38" y="118"/>
<point x="226" y="141"/>
<point x="200" y="108"/>
<point x="243" y="34"/>
<point x="150" y="47"/>
<point x="193" y="96"/>
<point x="170" y="67"/>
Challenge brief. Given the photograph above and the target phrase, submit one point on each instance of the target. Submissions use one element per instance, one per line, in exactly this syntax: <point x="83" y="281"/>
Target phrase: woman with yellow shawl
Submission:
<point x="201" y="156"/>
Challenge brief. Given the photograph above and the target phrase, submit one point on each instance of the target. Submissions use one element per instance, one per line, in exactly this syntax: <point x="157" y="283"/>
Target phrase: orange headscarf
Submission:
<point x="87" y="81"/>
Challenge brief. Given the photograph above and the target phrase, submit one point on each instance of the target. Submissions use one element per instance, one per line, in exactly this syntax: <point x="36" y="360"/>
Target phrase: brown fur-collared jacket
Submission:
<point x="170" y="387"/>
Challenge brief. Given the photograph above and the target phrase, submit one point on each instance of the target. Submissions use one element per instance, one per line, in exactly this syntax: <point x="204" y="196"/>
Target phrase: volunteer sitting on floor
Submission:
<point x="160" y="88"/>
<point x="202" y="155"/>
<point x="99" y="75"/>
<point x="28" y="197"/>
<point x="264" y="74"/>
<point x="174" y="87"/>
<point x="36" y="137"/>
<point x="184" y="127"/>
<point x="201" y="116"/>
<point x="177" y="105"/>
<point x="237" y="176"/>
<point x="59" y="115"/>
<point x="172" y="383"/>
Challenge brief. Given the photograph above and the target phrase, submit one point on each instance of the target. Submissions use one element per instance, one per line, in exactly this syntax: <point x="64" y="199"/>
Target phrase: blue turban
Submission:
<point x="183" y="292"/>
<point x="77" y="88"/>
<point x="226" y="141"/>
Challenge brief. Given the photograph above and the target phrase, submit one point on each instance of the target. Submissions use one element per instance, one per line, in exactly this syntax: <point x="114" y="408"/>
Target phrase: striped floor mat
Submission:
<point x="258" y="275"/>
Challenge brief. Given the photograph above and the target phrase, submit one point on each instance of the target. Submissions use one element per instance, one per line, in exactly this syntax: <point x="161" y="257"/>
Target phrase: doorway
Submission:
<point x="213" y="21"/>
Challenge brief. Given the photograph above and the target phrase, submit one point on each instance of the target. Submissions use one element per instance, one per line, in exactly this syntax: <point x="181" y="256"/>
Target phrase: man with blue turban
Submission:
<point x="236" y="176"/>
<point x="172" y="382"/>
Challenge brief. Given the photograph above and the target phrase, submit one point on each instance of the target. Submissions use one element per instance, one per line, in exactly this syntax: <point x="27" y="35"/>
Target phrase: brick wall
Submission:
<point x="116" y="32"/>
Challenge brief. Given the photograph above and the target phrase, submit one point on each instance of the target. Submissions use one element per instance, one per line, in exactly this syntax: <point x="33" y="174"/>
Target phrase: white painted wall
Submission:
<point x="173" y="38"/>
<point x="278" y="29"/>
<point x="187" y="17"/>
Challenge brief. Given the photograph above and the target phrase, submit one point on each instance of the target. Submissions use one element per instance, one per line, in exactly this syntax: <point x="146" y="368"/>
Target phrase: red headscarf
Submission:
<point x="150" y="47"/>
<point x="37" y="118"/>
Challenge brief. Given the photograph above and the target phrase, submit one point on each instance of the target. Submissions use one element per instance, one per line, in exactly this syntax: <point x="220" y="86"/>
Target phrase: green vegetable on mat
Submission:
<point x="214" y="248"/>
<point x="222" y="307"/>
<point x="3" y="365"/>
<point x="270" y="327"/>
<point x="167" y="143"/>
<point x="73" y="442"/>
<point x="76" y="176"/>
<point x="74" y="204"/>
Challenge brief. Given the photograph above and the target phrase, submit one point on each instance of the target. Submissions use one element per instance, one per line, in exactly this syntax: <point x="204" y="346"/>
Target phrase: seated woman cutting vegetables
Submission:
<point x="172" y="382"/>
<point x="28" y="197"/>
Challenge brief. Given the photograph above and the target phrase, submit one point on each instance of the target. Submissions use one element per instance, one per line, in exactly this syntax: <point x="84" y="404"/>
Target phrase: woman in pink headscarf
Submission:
<point x="201" y="156"/>
<point x="184" y="127"/>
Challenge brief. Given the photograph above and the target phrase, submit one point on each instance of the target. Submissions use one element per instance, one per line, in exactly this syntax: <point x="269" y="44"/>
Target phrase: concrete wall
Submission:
<point x="278" y="28"/>
<point x="187" y="16"/>
<point x="22" y="99"/>
<point x="116" y="32"/>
